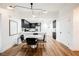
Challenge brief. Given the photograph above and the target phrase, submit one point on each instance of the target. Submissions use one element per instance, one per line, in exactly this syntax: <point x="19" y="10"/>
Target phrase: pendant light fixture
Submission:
<point x="30" y="8"/>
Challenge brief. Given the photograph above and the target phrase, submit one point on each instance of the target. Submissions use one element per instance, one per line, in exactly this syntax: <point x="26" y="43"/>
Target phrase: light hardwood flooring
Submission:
<point x="50" y="48"/>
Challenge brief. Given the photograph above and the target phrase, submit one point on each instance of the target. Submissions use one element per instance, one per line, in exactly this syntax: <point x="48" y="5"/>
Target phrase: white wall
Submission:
<point x="6" y="40"/>
<point x="0" y="41"/>
<point x="68" y="25"/>
<point x="76" y="29"/>
<point x="65" y="26"/>
<point x="0" y="33"/>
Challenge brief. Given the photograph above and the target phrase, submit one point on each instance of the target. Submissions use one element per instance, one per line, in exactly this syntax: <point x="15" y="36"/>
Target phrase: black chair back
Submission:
<point x="22" y="38"/>
<point x="44" y="37"/>
<point x="31" y="41"/>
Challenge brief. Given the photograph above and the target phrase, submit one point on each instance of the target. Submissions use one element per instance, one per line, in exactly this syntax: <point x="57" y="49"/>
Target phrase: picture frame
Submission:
<point x="13" y="28"/>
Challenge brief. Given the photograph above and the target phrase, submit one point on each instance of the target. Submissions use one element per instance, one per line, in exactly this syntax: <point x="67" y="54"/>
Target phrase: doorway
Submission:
<point x="54" y="29"/>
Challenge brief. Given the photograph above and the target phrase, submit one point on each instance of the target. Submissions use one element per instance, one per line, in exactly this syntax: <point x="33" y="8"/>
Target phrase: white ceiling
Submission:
<point x="44" y="6"/>
<point x="51" y="8"/>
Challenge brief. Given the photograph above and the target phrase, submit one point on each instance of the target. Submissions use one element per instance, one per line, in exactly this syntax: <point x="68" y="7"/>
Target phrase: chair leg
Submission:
<point x="37" y="45"/>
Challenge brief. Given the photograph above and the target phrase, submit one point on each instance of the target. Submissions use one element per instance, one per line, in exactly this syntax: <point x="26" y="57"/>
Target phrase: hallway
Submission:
<point x="50" y="48"/>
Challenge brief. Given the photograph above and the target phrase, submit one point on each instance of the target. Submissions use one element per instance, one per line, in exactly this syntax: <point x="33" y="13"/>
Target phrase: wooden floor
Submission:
<point x="51" y="48"/>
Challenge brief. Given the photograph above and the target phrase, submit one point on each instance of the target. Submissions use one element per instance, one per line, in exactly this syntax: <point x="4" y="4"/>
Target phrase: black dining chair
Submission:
<point x="31" y="41"/>
<point x="22" y="40"/>
<point x="44" y="37"/>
